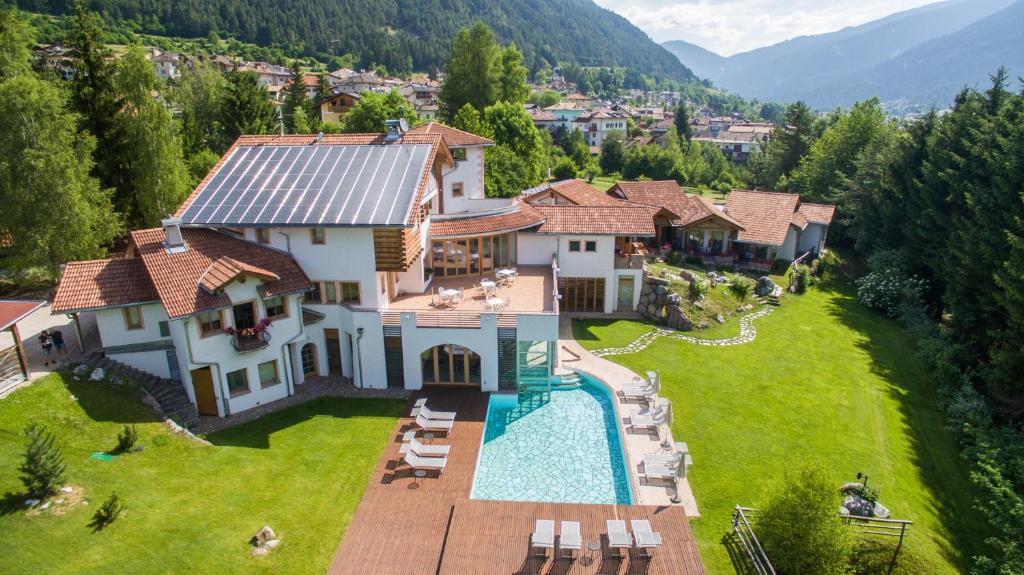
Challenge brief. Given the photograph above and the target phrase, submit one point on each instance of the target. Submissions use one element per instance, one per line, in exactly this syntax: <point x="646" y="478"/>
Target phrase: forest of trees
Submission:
<point x="402" y="35"/>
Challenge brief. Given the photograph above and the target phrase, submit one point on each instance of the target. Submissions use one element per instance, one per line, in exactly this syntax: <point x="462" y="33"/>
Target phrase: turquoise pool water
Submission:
<point x="563" y="446"/>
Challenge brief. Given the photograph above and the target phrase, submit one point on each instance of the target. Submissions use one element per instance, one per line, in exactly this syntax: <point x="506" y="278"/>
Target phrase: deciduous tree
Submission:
<point x="473" y="74"/>
<point x="247" y="107"/>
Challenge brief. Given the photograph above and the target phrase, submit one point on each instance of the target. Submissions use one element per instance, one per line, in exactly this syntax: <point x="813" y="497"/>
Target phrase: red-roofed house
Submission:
<point x="777" y="226"/>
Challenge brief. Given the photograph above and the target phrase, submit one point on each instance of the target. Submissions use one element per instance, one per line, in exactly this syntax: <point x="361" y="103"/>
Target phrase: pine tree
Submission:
<point x="247" y="107"/>
<point x="682" y="122"/>
<point x="613" y="153"/>
<point x="16" y="39"/>
<point x="295" y="103"/>
<point x="472" y="75"/>
<point x="43" y="467"/>
<point x="323" y="92"/>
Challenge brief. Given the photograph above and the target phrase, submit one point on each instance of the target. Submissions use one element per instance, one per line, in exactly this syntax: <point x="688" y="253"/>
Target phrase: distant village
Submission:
<point x="737" y="137"/>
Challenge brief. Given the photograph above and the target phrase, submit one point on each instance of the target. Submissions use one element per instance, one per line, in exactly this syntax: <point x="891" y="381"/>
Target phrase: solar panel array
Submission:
<point x="319" y="185"/>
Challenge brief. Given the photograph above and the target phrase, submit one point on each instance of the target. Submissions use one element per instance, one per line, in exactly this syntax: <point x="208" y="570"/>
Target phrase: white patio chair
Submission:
<point x="569" y="539"/>
<point x="414" y="446"/>
<point x="504" y="304"/>
<point x="543" y="536"/>
<point x="425" y="463"/>
<point x="436" y="415"/>
<point x="645" y="537"/>
<point x="653" y="420"/>
<point x="618" y="537"/>
<point x="433" y="424"/>
<point x="662" y="459"/>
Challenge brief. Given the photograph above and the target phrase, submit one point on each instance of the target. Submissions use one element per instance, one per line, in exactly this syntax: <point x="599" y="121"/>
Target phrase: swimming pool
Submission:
<point x="563" y="446"/>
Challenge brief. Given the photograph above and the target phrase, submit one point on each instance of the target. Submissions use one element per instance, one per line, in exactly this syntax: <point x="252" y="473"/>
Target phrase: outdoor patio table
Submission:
<point x="494" y="302"/>
<point x="505" y="273"/>
<point x="489" y="287"/>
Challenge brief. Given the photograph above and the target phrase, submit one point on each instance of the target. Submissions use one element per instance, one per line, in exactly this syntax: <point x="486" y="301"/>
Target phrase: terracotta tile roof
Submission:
<point x="435" y="140"/>
<point x="103" y="283"/>
<point x="454" y="137"/>
<point x="575" y="191"/>
<point x="522" y="217"/>
<point x="667" y="194"/>
<point x="766" y="216"/>
<point x="176" y="276"/>
<point x="620" y="220"/>
<point x="13" y="311"/>
<point x="817" y="213"/>
<point x="225" y="270"/>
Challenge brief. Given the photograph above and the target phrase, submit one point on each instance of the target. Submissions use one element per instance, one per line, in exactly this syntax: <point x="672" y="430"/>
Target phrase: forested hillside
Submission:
<point x="402" y="35"/>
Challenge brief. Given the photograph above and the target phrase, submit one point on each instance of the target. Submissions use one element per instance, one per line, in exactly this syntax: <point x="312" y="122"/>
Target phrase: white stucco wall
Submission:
<point x="154" y="362"/>
<point x="482" y="341"/>
<point x="114" y="333"/>
<point x="811" y="238"/>
<point x="535" y="249"/>
<point x="471" y="173"/>
<point x="788" y="249"/>
<point x="584" y="264"/>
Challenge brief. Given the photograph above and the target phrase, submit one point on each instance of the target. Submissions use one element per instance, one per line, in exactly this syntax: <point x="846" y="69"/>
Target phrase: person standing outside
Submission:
<point x="47" y="343"/>
<point x="58" y="342"/>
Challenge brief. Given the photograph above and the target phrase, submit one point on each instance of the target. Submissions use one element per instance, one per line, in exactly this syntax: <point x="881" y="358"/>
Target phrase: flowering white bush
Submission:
<point x="889" y="284"/>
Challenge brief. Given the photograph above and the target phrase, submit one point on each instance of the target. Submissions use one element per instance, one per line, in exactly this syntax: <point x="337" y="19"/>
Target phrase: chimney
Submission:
<point x="173" y="240"/>
<point x="396" y="127"/>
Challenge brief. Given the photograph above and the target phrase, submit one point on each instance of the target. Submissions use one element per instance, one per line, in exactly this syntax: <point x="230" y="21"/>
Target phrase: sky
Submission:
<point x="731" y="26"/>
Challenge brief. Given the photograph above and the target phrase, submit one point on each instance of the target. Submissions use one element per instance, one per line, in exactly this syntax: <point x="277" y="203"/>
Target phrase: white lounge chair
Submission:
<point x="543" y="537"/>
<point x="414" y="446"/>
<point x="652" y="420"/>
<point x="569" y="539"/>
<point x="618" y="537"/>
<point x="645" y="537"/>
<point x="661" y="459"/>
<point x="641" y="393"/>
<point x="434" y="424"/>
<point x="437" y="415"/>
<point x="425" y="463"/>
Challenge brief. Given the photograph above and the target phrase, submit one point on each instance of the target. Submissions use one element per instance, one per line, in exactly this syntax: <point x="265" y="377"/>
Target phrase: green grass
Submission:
<point x="826" y="379"/>
<point x="191" y="507"/>
<point x="603" y="183"/>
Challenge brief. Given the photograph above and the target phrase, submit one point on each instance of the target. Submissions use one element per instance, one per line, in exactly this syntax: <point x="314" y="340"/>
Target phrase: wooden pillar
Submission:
<point x="20" y="350"/>
<point x="78" y="332"/>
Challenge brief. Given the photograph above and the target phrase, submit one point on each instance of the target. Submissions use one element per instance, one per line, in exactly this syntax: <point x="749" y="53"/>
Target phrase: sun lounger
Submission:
<point x="637" y="392"/>
<point x="424" y="463"/>
<point x="543" y="537"/>
<point x="434" y="424"/>
<point x="569" y="539"/>
<point x="618" y="537"/>
<point x="645" y="537"/>
<point x="437" y="415"/>
<point x="652" y="420"/>
<point x="663" y="459"/>
<point x="414" y="446"/>
<point x="659" y="471"/>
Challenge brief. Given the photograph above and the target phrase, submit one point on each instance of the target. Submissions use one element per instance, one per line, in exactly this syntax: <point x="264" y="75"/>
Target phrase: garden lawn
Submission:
<point x="191" y="508"/>
<point x="825" y="379"/>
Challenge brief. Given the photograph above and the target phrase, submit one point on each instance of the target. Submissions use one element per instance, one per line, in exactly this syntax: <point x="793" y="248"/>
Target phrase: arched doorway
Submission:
<point x="308" y="356"/>
<point x="450" y="364"/>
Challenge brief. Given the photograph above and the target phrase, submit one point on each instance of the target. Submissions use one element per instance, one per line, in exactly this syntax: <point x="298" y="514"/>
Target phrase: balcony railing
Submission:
<point x="633" y="262"/>
<point x="247" y="343"/>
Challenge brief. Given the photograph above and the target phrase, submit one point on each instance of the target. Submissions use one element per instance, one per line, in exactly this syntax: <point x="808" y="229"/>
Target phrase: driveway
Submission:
<point x="39" y="363"/>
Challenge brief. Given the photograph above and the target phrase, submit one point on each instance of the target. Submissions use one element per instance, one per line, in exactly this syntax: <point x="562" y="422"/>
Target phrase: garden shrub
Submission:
<point x="565" y="169"/>
<point x="107" y="513"/>
<point x="126" y="438"/>
<point x="741" y="288"/>
<point x="799" y="527"/>
<point x="43" y="466"/>
<point x="888" y="284"/>
<point x="799" y="279"/>
<point x="698" y="288"/>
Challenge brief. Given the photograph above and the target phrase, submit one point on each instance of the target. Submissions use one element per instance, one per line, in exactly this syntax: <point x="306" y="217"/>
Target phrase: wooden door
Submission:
<point x="202" y="385"/>
<point x="308" y="356"/>
<point x="333" y="342"/>
<point x="625" y="293"/>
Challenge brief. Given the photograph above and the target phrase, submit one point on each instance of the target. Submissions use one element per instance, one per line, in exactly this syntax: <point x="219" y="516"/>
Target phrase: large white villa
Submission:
<point x="377" y="257"/>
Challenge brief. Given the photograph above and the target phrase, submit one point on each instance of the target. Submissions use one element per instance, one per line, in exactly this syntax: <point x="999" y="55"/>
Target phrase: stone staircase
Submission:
<point x="168" y="393"/>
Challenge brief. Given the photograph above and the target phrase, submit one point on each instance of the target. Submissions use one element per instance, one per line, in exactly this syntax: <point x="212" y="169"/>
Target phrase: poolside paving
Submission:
<point x="408" y="526"/>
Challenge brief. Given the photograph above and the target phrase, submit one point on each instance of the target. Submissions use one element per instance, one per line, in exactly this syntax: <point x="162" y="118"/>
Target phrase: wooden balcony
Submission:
<point x="248" y="343"/>
<point x="396" y="248"/>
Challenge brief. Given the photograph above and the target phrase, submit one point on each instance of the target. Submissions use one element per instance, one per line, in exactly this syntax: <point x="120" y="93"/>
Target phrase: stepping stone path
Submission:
<point x="747" y="334"/>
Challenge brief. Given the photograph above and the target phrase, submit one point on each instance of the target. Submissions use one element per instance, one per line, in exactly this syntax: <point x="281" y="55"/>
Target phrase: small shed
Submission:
<point x="13" y="361"/>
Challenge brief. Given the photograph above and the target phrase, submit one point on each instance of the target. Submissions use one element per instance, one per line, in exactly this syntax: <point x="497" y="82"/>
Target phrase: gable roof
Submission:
<point x="667" y="194"/>
<point x="817" y="213"/>
<point x="225" y="270"/>
<point x="12" y="311"/>
<point x="766" y="216"/>
<point x="336" y="180"/>
<point x="454" y="137"/>
<point x="574" y="191"/>
<point x="98" y="284"/>
<point x="177" y="276"/>
<point x="620" y="220"/>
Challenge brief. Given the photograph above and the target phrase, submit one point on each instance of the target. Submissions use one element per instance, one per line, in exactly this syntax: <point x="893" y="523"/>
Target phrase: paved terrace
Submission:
<point x="531" y="292"/>
<point x="409" y="526"/>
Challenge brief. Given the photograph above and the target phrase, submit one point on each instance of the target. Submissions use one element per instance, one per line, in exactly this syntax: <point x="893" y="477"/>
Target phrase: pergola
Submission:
<point x="13" y="361"/>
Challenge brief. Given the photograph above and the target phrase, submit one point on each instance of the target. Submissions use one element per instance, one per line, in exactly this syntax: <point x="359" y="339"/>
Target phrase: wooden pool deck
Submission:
<point x="410" y="526"/>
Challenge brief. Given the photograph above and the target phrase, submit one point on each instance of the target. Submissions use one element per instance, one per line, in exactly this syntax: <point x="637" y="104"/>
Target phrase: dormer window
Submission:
<point x="459" y="153"/>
